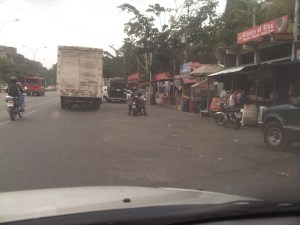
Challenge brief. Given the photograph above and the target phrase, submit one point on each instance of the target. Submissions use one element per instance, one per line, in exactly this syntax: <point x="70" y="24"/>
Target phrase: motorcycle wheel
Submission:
<point x="134" y="112"/>
<point x="219" y="118"/>
<point x="12" y="113"/>
<point x="236" y="124"/>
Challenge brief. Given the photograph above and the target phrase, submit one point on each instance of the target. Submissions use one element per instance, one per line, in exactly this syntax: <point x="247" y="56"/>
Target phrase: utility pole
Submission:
<point x="295" y="33"/>
<point x="254" y="14"/>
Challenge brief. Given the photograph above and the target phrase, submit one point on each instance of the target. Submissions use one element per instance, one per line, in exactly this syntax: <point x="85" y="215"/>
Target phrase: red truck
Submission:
<point x="34" y="85"/>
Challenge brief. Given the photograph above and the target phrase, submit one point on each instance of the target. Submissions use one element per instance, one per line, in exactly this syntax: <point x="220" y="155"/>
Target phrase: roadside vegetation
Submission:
<point x="161" y="39"/>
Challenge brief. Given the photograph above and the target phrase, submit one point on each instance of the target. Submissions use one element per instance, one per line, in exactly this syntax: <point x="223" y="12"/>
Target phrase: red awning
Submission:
<point x="133" y="77"/>
<point x="187" y="80"/>
<point x="144" y="83"/>
<point x="162" y="76"/>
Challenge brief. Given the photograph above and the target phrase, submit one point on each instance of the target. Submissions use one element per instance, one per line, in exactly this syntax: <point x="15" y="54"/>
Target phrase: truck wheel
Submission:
<point x="62" y="103"/>
<point x="95" y="105"/>
<point x="275" y="137"/>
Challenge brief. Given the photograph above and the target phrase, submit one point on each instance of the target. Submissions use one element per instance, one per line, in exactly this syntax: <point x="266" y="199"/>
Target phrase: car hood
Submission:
<point x="33" y="204"/>
<point x="282" y="107"/>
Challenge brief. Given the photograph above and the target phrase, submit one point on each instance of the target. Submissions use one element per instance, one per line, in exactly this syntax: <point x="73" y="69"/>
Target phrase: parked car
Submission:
<point x="281" y="126"/>
<point x="3" y="87"/>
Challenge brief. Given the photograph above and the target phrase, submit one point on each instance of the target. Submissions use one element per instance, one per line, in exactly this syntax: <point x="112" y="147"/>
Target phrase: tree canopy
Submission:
<point x="161" y="39"/>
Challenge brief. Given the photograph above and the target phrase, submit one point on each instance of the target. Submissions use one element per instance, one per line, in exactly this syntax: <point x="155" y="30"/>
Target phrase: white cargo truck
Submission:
<point x="79" y="76"/>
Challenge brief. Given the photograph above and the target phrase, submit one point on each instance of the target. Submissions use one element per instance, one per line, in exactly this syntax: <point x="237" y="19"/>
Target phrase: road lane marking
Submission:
<point x="4" y="122"/>
<point x="36" y="110"/>
<point x="25" y="114"/>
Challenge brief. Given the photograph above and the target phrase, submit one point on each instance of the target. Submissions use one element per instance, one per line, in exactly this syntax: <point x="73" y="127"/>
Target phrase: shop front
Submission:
<point x="165" y="89"/>
<point x="133" y="81"/>
<point x="187" y="105"/>
<point x="260" y="66"/>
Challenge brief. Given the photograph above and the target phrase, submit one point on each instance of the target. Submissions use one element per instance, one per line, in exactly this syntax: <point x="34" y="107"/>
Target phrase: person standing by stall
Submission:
<point x="241" y="99"/>
<point x="233" y="100"/>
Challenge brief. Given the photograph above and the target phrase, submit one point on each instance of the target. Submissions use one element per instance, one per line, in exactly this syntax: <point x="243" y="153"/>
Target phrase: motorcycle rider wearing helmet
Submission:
<point x="15" y="90"/>
<point x="134" y="100"/>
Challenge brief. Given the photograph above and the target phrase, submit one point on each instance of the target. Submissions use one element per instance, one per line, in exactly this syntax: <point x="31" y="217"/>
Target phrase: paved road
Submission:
<point x="51" y="147"/>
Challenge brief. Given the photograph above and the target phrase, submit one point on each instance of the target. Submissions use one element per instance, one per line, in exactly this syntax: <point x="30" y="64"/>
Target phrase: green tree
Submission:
<point x="276" y="8"/>
<point x="163" y="44"/>
<point x="7" y="69"/>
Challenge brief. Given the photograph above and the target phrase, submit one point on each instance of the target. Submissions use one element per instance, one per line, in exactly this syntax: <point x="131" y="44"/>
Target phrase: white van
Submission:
<point x="104" y="92"/>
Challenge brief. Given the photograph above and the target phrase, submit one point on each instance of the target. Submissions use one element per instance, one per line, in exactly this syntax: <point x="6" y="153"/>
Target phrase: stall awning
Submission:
<point x="232" y="70"/>
<point x="229" y="70"/>
<point x="144" y="83"/>
<point x="206" y="69"/>
<point x="187" y="80"/>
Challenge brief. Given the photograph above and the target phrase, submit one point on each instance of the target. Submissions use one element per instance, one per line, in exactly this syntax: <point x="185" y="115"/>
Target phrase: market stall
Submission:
<point x="207" y="88"/>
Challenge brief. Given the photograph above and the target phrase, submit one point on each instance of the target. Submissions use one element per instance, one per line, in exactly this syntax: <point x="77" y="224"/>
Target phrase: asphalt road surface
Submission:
<point x="50" y="147"/>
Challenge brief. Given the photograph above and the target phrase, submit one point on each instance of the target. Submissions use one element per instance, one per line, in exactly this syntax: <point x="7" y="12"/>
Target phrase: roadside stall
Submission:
<point x="165" y="88"/>
<point x="178" y="84"/>
<point x="144" y="88"/>
<point x="207" y="88"/>
<point x="133" y="81"/>
<point x="261" y="65"/>
<point x="186" y="94"/>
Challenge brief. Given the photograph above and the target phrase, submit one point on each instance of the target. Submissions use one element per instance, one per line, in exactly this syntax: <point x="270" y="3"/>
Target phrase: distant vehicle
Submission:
<point x="116" y="89"/>
<point x="128" y="94"/>
<point x="50" y="88"/>
<point x="281" y="126"/>
<point x="34" y="86"/>
<point x="104" y="92"/>
<point x="79" y="76"/>
<point x="3" y="87"/>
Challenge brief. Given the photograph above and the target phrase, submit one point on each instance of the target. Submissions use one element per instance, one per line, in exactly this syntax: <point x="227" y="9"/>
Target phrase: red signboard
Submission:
<point x="162" y="76"/>
<point x="133" y="77"/>
<point x="187" y="80"/>
<point x="278" y="25"/>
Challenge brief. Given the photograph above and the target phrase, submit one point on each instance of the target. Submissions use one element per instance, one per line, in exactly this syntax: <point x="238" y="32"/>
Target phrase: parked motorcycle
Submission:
<point x="227" y="115"/>
<point x="12" y="104"/>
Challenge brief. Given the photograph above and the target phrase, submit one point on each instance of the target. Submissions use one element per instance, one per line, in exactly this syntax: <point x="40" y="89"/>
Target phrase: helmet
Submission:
<point x="13" y="79"/>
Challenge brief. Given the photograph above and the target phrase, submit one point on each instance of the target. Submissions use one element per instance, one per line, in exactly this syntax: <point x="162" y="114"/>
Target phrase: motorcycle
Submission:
<point x="138" y="109"/>
<point x="12" y="104"/>
<point x="227" y="115"/>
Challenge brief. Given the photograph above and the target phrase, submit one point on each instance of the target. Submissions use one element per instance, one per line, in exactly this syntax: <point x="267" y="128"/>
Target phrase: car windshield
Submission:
<point x="183" y="94"/>
<point x="31" y="81"/>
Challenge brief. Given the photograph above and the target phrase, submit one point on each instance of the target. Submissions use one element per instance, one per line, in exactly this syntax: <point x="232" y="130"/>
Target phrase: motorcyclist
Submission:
<point x="15" y="90"/>
<point x="142" y="103"/>
<point x="134" y="99"/>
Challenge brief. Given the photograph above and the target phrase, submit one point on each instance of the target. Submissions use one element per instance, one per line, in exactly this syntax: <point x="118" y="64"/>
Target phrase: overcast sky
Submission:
<point x="49" y="23"/>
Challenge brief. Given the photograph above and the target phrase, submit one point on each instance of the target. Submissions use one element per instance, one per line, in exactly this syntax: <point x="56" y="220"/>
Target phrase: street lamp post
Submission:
<point x="51" y="63"/>
<point x="295" y="32"/>
<point x="6" y="23"/>
<point x="34" y="51"/>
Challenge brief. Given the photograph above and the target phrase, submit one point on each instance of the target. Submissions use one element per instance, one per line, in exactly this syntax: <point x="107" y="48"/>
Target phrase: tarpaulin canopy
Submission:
<point x="206" y="70"/>
<point x="244" y="68"/>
